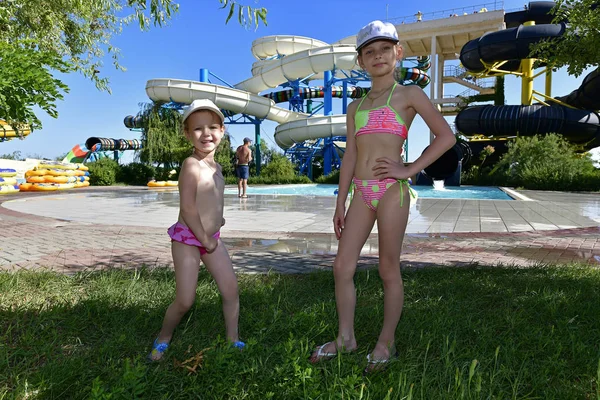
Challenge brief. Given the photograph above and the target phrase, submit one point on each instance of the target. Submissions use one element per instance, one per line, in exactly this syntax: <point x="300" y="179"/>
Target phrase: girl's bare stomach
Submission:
<point x="369" y="152"/>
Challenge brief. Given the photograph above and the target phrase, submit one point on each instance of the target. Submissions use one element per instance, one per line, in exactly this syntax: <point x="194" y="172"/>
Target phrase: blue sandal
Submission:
<point x="239" y="345"/>
<point x="158" y="349"/>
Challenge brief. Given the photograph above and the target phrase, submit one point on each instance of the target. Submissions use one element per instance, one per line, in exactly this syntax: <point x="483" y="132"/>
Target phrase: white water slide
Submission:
<point x="303" y="57"/>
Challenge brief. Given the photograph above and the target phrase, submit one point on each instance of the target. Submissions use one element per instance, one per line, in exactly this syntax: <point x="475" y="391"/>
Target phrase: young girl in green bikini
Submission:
<point x="377" y="127"/>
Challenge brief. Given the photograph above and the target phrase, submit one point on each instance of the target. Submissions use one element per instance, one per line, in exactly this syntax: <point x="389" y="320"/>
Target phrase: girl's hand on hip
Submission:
<point x="388" y="168"/>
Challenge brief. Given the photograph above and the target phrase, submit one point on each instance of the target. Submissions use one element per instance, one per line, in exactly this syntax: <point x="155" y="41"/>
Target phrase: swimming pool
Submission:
<point x="425" y="192"/>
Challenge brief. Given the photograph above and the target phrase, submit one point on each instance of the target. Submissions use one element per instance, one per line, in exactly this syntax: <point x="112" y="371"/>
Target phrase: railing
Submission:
<point x="451" y="12"/>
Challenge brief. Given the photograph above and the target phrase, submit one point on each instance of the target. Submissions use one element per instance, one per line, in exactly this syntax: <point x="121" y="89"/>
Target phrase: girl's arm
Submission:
<point x="188" y="186"/>
<point x="444" y="137"/>
<point x="349" y="160"/>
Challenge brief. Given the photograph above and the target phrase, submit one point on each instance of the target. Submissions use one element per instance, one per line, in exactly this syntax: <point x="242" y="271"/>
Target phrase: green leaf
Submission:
<point x="231" y="9"/>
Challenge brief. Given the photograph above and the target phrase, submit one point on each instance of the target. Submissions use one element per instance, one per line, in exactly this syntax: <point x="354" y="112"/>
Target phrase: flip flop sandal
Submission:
<point x="157" y="349"/>
<point x="321" y="355"/>
<point x="378" y="365"/>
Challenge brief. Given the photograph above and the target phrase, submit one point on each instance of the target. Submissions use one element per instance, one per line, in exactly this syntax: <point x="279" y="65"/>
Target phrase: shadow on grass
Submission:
<point x="465" y="332"/>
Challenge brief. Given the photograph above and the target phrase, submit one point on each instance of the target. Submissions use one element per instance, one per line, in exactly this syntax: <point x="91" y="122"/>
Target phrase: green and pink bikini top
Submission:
<point x="382" y="119"/>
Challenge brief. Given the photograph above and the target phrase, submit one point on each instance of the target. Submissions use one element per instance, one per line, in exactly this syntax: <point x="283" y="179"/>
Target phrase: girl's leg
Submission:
<point x="357" y="227"/>
<point x="186" y="260"/>
<point x="218" y="263"/>
<point x="391" y="225"/>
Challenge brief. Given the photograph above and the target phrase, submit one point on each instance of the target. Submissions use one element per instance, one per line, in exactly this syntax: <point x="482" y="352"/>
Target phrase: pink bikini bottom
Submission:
<point x="372" y="190"/>
<point x="182" y="234"/>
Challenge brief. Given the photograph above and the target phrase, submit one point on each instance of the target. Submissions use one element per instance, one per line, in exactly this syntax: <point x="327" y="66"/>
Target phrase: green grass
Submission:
<point x="489" y="333"/>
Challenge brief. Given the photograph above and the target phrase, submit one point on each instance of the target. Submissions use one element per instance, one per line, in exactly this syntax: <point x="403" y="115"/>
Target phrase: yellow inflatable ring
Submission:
<point x="57" y="165"/>
<point x="8" y="181"/>
<point x="5" y="189"/>
<point x="36" y="172"/>
<point x="8" y="172"/>
<point x="171" y="183"/>
<point x="157" y="183"/>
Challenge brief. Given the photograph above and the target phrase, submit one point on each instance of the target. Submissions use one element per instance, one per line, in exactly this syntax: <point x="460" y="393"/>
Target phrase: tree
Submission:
<point x="39" y="37"/>
<point x="163" y="141"/>
<point x="578" y="48"/>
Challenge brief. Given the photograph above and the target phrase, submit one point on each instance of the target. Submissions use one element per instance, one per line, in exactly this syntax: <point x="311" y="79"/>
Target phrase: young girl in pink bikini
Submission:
<point x="377" y="127"/>
<point x="195" y="236"/>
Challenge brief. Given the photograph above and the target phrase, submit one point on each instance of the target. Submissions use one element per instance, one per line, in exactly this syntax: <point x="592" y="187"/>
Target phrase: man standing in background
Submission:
<point x="243" y="156"/>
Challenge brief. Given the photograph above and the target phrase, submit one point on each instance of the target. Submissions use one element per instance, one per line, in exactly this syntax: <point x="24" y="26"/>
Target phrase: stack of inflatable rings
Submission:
<point x="8" y="181"/>
<point x="54" y="175"/>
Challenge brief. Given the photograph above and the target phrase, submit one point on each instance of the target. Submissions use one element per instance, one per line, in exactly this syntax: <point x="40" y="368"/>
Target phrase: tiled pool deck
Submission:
<point x="124" y="226"/>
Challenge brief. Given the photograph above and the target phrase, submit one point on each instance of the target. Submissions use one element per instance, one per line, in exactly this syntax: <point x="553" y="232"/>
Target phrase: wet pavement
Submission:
<point x="126" y="227"/>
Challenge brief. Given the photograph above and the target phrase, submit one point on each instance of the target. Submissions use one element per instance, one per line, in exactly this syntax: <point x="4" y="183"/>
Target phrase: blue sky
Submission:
<point x="198" y="38"/>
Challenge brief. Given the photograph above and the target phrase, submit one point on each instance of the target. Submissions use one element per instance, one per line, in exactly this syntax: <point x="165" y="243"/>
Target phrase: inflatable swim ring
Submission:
<point x="171" y="183"/>
<point x="4" y="189"/>
<point x="157" y="183"/>
<point x="8" y="181"/>
<point x="36" y="172"/>
<point x="8" y="172"/>
<point x="35" y="179"/>
<point x="57" y="165"/>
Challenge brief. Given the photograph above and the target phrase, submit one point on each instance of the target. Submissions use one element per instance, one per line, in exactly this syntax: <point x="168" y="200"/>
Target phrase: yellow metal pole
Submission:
<point x="548" y="82"/>
<point x="527" y="77"/>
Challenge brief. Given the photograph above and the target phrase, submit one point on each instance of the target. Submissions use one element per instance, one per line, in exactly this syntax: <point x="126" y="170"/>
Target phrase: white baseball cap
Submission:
<point x="202" y="104"/>
<point x="376" y="30"/>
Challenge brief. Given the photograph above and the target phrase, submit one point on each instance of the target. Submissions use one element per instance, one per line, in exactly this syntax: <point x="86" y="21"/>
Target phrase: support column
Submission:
<point x="527" y="77"/>
<point x="440" y="77"/>
<point x="327" y="110"/>
<point x="433" y="73"/>
<point x="548" y="91"/>
<point x="257" y="147"/>
<point x="203" y="75"/>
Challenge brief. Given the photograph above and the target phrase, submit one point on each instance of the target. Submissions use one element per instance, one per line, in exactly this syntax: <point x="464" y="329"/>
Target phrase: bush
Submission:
<point x="546" y="162"/>
<point x="135" y="174"/>
<point x="279" y="167"/>
<point x="103" y="172"/>
<point x="332" y="178"/>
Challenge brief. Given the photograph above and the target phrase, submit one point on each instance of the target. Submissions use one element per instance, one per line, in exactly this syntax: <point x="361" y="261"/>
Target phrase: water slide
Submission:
<point x="281" y="59"/>
<point x="579" y="123"/>
<point x="96" y="146"/>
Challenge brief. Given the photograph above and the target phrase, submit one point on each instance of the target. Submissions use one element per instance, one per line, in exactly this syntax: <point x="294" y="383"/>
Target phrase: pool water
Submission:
<point x="424" y="192"/>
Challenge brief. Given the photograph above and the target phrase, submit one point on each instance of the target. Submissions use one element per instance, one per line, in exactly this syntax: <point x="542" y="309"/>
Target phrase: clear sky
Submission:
<point x="198" y="38"/>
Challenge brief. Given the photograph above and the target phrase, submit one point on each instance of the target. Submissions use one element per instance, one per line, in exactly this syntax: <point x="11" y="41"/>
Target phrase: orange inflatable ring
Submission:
<point x="44" y="187"/>
<point x="25" y="187"/>
<point x="35" y="179"/>
<point x="57" y="179"/>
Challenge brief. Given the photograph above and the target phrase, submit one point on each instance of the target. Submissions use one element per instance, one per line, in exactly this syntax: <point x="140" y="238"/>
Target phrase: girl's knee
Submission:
<point x="184" y="303"/>
<point x="342" y="270"/>
<point x="389" y="270"/>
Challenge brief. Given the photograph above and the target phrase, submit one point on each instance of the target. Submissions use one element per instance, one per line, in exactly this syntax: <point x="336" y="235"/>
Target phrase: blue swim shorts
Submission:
<point x="243" y="171"/>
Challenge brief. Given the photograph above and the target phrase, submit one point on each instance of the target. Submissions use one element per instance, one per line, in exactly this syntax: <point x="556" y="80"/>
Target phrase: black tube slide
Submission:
<point x="105" y="144"/>
<point x="587" y="95"/>
<point x="578" y="126"/>
<point x="446" y="165"/>
<point x="537" y="11"/>
<point x="509" y="44"/>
